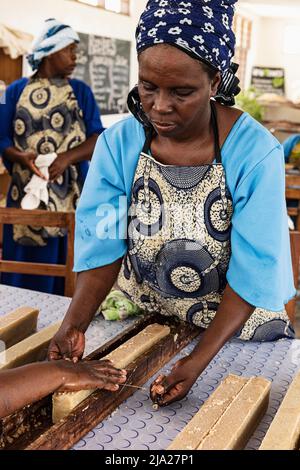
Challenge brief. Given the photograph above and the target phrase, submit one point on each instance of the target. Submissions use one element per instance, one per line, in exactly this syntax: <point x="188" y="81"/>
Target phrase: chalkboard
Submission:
<point x="268" y="80"/>
<point x="104" y="64"/>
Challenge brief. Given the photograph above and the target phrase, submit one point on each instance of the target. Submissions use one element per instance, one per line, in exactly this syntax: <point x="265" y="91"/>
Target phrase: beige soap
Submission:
<point x="63" y="403"/>
<point x="284" y="431"/>
<point x="209" y="414"/>
<point x="17" y="325"/>
<point x="239" y="421"/>
<point x="29" y="350"/>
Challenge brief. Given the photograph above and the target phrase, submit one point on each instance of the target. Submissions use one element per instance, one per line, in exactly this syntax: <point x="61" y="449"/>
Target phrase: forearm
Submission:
<point x="34" y="380"/>
<point x="81" y="152"/>
<point x="91" y="289"/>
<point x="12" y="154"/>
<point x="232" y="314"/>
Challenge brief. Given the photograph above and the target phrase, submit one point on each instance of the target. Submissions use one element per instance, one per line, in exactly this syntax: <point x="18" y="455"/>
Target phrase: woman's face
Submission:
<point x="63" y="62"/>
<point x="175" y="91"/>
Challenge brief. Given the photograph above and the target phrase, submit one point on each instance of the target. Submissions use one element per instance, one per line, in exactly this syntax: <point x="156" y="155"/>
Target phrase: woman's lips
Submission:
<point x="164" y="126"/>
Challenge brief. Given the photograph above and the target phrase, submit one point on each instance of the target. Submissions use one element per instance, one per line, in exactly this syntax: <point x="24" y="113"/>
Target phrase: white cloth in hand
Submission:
<point x="37" y="188"/>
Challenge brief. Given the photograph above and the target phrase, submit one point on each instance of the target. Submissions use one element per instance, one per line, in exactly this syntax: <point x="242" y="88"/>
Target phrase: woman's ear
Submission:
<point x="215" y="84"/>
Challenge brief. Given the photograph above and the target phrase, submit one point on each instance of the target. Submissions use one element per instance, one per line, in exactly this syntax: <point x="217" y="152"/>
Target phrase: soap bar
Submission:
<point x="284" y="431"/>
<point x="32" y="349"/>
<point x="17" y="325"/>
<point x="209" y="414"/>
<point x="134" y="347"/>
<point x="63" y="403"/>
<point x="237" y="424"/>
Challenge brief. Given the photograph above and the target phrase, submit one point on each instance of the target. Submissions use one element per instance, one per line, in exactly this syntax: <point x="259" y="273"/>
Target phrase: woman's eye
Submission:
<point x="183" y="93"/>
<point x="148" y="87"/>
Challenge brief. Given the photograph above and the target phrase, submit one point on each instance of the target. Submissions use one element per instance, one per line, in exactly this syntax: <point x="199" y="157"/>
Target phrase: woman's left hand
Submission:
<point x="58" y="167"/>
<point x="176" y="385"/>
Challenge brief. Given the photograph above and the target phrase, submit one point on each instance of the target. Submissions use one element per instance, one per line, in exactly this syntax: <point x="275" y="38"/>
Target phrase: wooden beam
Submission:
<point x="41" y="269"/>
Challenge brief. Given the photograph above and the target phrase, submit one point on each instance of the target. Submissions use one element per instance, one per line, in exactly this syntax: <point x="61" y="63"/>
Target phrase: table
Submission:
<point x="135" y="425"/>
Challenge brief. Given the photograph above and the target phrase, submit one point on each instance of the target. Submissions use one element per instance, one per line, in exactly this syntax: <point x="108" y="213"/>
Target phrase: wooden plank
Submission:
<point x="42" y="269"/>
<point x="36" y="217"/>
<point x="98" y="406"/>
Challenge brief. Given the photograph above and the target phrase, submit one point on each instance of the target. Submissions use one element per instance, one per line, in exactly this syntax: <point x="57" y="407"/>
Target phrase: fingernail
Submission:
<point x="160" y="389"/>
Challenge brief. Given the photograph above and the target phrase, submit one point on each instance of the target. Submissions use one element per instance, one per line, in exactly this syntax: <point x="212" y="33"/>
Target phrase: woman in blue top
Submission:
<point x="204" y="184"/>
<point x="47" y="114"/>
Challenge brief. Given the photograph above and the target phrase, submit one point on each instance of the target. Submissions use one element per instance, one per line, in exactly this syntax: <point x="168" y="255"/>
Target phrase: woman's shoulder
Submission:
<point x="247" y="148"/>
<point x="250" y="139"/>
<point x="17" y="86"/>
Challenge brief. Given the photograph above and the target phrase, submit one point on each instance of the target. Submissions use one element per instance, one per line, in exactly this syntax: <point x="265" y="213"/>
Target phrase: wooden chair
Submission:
<point x="292" y="191"/>
<point x="295" y="252"/>
<point x="45" y="219"/>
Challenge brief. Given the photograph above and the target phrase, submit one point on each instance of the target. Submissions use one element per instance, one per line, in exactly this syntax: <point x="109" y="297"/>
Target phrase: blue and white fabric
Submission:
<point x="54" y="37"/>
<point x="201" y="28"/>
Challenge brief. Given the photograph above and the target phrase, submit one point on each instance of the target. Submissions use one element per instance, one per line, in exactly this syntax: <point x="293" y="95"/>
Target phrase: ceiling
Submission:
<point x="273" y="8"/>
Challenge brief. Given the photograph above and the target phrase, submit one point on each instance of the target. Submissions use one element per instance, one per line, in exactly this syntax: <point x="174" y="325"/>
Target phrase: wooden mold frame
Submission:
<point x="32" y="429"/>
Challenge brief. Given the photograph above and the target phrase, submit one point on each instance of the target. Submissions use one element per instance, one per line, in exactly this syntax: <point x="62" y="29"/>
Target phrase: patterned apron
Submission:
<point x="179" y="244"/>
<point x="48" y="119"/>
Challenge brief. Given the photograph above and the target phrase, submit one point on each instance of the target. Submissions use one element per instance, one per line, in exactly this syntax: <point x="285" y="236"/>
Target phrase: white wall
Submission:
<point x="268" y="39"/>
<point x="29" y="15"/>
<point x="270" y="52"/>
<point x="256" y="28"/>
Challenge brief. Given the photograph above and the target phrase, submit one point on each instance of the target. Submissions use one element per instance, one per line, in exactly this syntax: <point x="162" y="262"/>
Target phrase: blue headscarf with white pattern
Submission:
<point x="54" y="37"/>
<point x="201" y="28"/>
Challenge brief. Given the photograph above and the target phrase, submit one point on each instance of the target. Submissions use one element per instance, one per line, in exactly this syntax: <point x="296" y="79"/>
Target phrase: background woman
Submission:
<point x="48" y="114"/>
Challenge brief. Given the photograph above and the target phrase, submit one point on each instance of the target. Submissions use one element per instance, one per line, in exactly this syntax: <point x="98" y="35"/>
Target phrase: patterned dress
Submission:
<point x="179" y="244"/>
<point x="48" y="119"/>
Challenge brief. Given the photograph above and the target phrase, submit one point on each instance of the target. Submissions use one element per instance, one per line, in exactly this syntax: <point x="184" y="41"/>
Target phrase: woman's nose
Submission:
<point x="162" y="103"/>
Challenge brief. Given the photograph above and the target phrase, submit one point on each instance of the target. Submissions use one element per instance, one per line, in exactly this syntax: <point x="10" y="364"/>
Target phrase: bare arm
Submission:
<point x="91" y="289"/>
<point x="232" y="314"/>
<point x="25" y="159"/>
<point x="24" y="385"/>
<point x="71" y="157"/>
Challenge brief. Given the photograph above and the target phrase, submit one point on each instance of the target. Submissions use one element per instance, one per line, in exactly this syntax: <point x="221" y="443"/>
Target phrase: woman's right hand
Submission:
<point x="68" y="343"/>
<point x="27" y="159"/>
<point x="87" y="375"/>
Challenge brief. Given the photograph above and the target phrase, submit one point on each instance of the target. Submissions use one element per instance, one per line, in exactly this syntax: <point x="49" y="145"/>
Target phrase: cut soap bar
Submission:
<point x="229" y="416"/>
<point x="17" y="325"/>
<point x="63" y="403"/>
<point x="236" y="426"/>
<point x="29" y="350"/>
<point x="210" y="412"/>
<point x="284" y="431"/>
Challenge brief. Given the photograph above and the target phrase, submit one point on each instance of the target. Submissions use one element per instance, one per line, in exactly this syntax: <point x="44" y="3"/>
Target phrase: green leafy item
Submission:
<point x="117" y="306"/>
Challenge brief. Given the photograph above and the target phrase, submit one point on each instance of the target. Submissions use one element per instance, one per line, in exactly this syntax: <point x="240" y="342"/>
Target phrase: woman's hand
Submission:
<point x="58" y="167"/>
<point x="87" y="375"/>
<point x="175" y="386"/>
<point x="27" y="159"/>
<point x="68" y="343"/>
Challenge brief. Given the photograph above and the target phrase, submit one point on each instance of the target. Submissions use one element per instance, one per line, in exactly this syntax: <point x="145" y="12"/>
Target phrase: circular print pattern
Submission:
<point x="217" y="219"/>
<point x="147" y="216"/>
<point x="199" y="309"/>
<point x="46" y="145"/>
<point x="40" y="97"/>
<point x="179" y="269"/>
